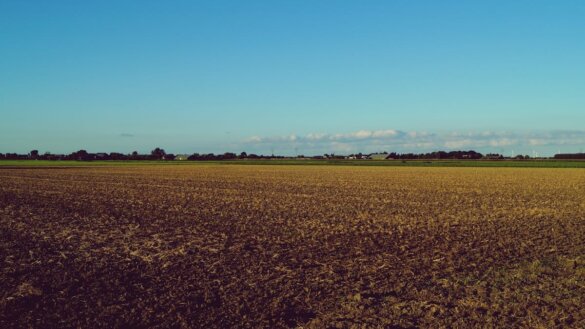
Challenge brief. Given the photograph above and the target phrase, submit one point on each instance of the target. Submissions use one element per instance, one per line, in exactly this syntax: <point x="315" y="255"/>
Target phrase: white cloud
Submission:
<point x="456" y="144"/>
<point x="361" y="134"/>
<point x="536" y="142"/>
<point x="385" y="133"/>
<point x="417" y="141"/>
<point x="255" y="139"/>
<point x="316" y="136"/>
<point x="341" y="147"/>
<point x="501" y="142"/>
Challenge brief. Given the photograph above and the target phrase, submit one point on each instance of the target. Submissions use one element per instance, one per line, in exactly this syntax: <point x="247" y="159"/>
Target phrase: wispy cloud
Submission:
<point x="418" y="141"/>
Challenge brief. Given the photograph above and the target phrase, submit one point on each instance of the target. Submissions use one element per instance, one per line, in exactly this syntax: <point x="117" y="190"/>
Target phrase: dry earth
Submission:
<point x="291" y="246"/>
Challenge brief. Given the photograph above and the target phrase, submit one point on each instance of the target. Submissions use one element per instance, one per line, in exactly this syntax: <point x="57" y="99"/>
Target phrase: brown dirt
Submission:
<point x="277" y="246"/>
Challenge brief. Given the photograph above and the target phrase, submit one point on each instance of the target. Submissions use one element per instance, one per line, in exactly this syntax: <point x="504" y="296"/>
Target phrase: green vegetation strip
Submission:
<point x="389" y="163"/>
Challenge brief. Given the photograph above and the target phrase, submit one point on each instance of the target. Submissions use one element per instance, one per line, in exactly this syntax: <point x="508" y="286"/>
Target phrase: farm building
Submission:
<point x="378" y="156"/>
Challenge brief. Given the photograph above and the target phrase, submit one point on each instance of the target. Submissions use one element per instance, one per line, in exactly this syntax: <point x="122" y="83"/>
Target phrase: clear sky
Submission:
<point x="292" y="76"/>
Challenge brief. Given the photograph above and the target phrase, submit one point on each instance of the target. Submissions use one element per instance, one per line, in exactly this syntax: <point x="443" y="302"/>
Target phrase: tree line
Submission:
<point x="570" y="156"/>
<point x="156" y="154"/>
<point x="160" y="154"/>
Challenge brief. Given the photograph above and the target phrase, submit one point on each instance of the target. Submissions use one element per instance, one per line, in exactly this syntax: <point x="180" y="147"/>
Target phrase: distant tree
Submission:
<point x="158" y="153"/>
<point x="574" y="156"/>
<point x="243" y="155"/>
<point x="228" y="156"/>
<point x="494" y="156"/>
<point x="193" y="157"/>
<point x="117" y="156"/>
<point x="34" y="154"/>
<point x="134" y="156"/>
<point x="80" y="155"/>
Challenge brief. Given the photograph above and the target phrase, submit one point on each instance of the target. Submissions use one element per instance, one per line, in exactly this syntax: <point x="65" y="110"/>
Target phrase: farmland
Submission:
<point x="220" y="246"/>
<point x="535" y="163"/>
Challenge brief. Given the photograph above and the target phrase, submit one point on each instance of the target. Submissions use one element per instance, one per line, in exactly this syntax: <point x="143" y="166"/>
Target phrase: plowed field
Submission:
<point x="218" y="246"/>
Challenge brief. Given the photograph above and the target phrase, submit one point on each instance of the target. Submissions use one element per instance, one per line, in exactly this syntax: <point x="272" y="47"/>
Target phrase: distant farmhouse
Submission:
<point x="101" y="156"/>
<point x="378" y="156"/>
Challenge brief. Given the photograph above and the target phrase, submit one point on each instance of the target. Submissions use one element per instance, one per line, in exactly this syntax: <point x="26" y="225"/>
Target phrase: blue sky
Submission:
<point x="292" y="76"/>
